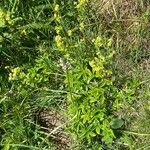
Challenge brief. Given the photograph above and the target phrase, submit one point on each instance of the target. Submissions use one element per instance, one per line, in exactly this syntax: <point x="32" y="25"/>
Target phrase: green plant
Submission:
<point x="83" y="53"/>
<point x="93" y="99"/>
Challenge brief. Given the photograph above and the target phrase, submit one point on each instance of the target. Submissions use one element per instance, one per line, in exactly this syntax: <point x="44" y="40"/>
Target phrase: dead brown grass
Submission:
<point x="128" y="23"/>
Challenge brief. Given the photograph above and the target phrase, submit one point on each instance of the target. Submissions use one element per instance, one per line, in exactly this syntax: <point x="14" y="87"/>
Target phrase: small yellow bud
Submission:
<point x="59" y="42"/>
<point x="69" y="32"/>
<point x="56" y="8"/>
<point x="98" y="41"/>
<point x="58" y="29"/>
<point x="109" y="43"/>
<point x="57" y="17"/>
<point x="82" y="40"/>
<point x="81" y="26"/>
<point x="14" y="73"/>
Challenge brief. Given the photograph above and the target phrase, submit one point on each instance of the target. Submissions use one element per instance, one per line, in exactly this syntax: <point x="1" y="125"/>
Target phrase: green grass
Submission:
<point x="46" y="56"/>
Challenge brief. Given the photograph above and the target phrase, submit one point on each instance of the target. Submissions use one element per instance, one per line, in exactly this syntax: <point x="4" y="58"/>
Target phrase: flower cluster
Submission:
<point x="58" y="29"/>
<point x="59" y="42"/>
<point x="57" y="17"/>
<point x="14" y="73"/>
<point x="98" y="41"/>
<point x="80" y="3"/>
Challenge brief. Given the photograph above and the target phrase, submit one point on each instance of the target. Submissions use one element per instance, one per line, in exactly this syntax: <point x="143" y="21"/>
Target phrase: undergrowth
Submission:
<point x="89" y="59"/>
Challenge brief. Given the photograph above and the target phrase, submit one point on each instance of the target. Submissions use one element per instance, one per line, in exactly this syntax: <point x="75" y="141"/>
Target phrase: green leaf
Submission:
<point x="7" y="145"/>
<point x="116" y="123"/>
<point x="98" y="130"/>
<point x="2" y="23"/>
<point x="92" y="134"/>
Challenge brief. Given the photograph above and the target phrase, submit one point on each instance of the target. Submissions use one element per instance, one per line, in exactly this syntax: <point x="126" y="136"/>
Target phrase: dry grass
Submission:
<point x="128" y="23"/>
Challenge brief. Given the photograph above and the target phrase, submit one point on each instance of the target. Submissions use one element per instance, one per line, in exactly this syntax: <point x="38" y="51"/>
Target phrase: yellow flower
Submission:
<point x="58" y="29"/>
<point x="22" y="75"/>
<point x="97" y="67"/>
<point x="59" y="42"/>
<point x="69" y="32"/>
<point x="110" y="56"/>
<point x="8" y="18"/>
<point x="81" y="3"/>
<point x="14" y="73"/>
<point x="58" y="38"/>
<point x="82" y="40"/>
<point x="2" y="18"/>
<point x="98" y="41"/>
<point x="81" y="26"/>
<point x="10" y="77"/>
<point x="57" y="17"/>
<point x="56" y="8"/>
